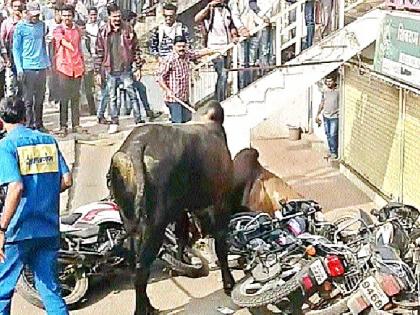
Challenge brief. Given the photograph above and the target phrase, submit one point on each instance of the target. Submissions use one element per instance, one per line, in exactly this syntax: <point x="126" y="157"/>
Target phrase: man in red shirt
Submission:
<point x="69" y="63"/>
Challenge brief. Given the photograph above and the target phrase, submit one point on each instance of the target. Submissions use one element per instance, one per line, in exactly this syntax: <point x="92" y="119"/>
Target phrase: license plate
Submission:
<point x="373" y="293"/>
<point x="318" y="271"/>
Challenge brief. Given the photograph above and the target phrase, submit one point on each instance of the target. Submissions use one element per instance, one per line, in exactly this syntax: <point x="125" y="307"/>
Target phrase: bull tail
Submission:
<point x="126" y="180"/>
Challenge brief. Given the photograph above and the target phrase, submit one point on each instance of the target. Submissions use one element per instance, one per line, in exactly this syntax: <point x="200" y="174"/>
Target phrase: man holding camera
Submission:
<point x="219" y="28"/>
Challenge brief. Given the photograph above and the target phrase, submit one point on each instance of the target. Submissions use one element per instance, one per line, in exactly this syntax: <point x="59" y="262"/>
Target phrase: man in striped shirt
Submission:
<point x="174" y="78"/>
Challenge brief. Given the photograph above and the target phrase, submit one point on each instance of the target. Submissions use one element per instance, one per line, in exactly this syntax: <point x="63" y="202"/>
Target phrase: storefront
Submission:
<point x="381" y="133"/>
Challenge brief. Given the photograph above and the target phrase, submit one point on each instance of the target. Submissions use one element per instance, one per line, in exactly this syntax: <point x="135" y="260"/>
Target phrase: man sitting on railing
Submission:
<point x="219" y="30"/>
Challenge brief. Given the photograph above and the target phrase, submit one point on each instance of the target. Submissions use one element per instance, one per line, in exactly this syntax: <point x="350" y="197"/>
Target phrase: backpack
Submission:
<point x="206" y="30"/>
<point x="178" y="31"/>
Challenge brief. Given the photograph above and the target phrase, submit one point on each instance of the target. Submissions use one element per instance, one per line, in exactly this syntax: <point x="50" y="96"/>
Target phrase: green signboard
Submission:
<point x="398" y="49"/>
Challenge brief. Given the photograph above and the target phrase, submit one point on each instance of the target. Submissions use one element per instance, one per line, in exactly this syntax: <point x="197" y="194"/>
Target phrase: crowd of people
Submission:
<point x="61" y="48"/>
<point x="55" y="48"/>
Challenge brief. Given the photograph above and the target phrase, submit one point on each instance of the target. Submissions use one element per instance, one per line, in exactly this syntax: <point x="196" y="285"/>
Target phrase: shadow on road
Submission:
<point x="122" y="280"/>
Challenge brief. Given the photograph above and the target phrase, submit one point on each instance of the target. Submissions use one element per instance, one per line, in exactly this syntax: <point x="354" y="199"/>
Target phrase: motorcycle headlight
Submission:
<point x="320" y="217"/>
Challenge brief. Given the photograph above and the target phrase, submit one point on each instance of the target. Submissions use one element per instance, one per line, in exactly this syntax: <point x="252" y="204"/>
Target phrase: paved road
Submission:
<point x="178" y="295"/>
<point x="303" y="167"/>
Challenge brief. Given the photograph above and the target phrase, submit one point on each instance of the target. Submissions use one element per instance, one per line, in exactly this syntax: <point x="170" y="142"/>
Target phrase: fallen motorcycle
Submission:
<point x="94" y="244"/>
<point x="394" y="280"/>
<point x="280" y="249"/>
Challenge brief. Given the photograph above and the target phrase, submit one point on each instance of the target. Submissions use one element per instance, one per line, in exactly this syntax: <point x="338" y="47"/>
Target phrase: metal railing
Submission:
<point x="288" y="29"/>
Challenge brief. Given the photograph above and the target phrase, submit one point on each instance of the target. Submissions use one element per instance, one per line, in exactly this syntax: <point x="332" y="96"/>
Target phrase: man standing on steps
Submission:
<point x="163" y="36"/>
<point x="329" y="108"/>
<point x="32" y="61"/>
<point x="219" y="31"/>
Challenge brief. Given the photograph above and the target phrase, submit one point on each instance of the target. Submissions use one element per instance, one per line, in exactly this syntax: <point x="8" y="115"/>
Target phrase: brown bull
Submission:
<point x="159" y="171"/>
<point x="256" y="187"/>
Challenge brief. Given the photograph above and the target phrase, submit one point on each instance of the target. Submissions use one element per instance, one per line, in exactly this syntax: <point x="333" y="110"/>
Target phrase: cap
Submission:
<point x="33" y="8"/>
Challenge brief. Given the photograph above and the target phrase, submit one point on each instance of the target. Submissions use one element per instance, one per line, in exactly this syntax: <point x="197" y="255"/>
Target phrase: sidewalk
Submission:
<point x="302" y="164"/>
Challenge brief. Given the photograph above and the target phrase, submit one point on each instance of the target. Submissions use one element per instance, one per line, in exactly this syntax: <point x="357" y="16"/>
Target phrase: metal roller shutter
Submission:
<point x="411" y="169"/>
<point x="372" y="129"/>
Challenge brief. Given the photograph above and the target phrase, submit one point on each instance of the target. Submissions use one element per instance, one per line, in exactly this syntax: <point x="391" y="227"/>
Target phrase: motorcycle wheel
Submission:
<point x="72" y="290"/>
<point x="248" y="293"/>
<point x="191" y="270"/>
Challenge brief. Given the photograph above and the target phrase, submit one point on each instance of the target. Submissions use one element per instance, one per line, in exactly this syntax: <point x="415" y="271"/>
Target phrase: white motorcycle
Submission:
<point x="94" y="244"/>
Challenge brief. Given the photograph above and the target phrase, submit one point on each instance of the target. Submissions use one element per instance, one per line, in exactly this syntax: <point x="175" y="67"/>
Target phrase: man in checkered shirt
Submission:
<point x="174" y="78"/>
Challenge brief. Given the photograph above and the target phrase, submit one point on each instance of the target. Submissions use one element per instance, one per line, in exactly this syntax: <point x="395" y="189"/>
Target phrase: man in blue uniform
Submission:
<point x="35" y="173"/>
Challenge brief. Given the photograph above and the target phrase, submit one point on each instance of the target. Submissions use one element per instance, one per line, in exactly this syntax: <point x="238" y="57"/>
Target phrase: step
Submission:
<point x="259" y="100"/>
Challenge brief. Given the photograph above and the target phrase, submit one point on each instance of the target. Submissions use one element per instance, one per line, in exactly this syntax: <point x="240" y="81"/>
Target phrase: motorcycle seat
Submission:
<point x="84" y="233"/>
<point x="387" y="253"/>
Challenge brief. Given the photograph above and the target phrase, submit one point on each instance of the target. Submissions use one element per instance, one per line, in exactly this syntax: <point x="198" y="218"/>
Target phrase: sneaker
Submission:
<point x="78" y="129"/>
<point x="334" y="156"/>
<point x="62" y="132"/>
<point x="103" y="121"/>
<point x="42" y="129"/>
<point x="113" y="128"/>
<point x="152" y="115"/>
<point x="139" y="121"/>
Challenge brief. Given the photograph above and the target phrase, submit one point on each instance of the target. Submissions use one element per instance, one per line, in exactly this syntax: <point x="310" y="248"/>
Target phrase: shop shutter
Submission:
<point x="411" y="168"/>
<point x="372" y="131"/>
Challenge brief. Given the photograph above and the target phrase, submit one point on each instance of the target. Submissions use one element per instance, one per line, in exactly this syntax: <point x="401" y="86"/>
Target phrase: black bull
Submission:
<point x="161" y="170"/>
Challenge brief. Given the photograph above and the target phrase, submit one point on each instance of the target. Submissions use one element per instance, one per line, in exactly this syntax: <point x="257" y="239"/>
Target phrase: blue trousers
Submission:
<point x="310" y="22"/>
<point x="141" y="88"/>
<point x="331" y="131"/>
<point x="220" y="66"/>
<point x="104" y="100"/>
<point x="40" y="255"/>
<point x="179" y="114"/>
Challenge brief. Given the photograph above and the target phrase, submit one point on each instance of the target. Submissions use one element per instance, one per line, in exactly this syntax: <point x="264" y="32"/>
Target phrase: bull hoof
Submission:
<point x="148" y="311"/>
<point x="228" y="287"/>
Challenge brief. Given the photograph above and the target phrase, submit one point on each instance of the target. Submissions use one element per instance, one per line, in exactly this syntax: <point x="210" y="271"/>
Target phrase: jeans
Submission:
<point x="2" y="83"/>
<point x="179" y="114"/>
<point x="141" y="88"/>
<point x="331" y="131"/>
<point x="113" y="82"/>
<point x="256" y="48"/>
<point x="220" y="66"/>
<point x="89" y="83"/>
<point x="33" y="95"/>
<point x="70" y="94"/>
<point x="104" y="100"/>
<point x="310" y="22"/>
<point x="40" y="255"/>
<point x="326" y="12"/>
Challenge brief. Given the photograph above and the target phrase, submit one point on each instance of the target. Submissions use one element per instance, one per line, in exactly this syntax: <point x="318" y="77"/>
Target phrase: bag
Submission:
<point x="204" y="30"/>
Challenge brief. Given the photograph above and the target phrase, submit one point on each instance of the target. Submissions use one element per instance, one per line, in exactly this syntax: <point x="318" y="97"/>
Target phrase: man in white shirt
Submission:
<point x="220" y="29"/>
<point x="253" y="14"/>
<point x="162" y="37"/>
